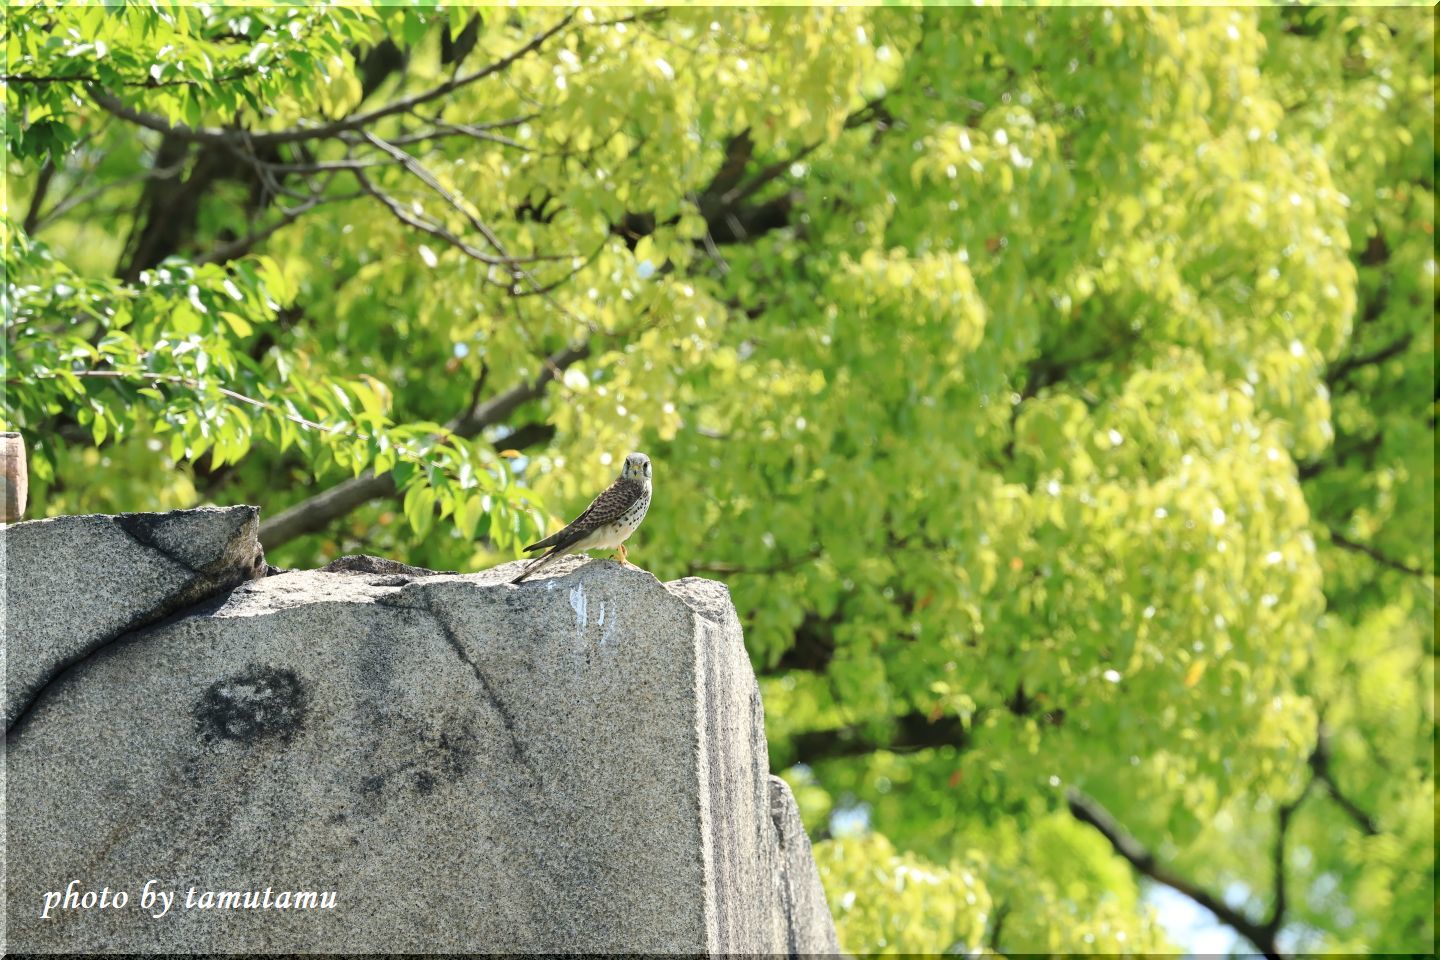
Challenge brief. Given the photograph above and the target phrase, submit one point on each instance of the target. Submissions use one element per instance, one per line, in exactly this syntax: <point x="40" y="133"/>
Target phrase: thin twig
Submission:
<point x="80" y="198"/>
<point x="513" y="263"/>
<point x="316" y="511"/>
<point x="426" y="226"/>
<point x="245" y="244"/>
<point x="456" y="130"/>
<point x="358" y="121"/>
<point x="195" y="384"/>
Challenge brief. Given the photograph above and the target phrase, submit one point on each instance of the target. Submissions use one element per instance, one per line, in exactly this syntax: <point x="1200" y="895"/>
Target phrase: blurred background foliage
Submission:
<point x="1054" y="390"/>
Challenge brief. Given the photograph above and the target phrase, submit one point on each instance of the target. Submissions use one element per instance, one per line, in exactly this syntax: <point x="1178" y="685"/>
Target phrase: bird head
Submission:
<point x="637" y="467"/>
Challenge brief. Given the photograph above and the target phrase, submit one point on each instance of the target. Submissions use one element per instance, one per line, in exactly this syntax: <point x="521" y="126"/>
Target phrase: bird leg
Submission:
<point x="621" y="554"/>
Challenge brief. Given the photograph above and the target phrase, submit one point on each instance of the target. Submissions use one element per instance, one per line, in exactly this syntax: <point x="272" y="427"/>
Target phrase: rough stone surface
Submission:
<point x="360" y="563"/>
<point x="73" y="584"/>
<point x="576" y="763"/>
<point x="809" y="928"/>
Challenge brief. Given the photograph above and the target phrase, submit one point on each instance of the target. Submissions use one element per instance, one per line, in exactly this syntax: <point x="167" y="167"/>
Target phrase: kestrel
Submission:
<point x="606" y="523"/>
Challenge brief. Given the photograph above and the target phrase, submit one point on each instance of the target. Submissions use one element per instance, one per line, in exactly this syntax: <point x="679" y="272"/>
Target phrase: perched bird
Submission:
<point x="606" y="523"/>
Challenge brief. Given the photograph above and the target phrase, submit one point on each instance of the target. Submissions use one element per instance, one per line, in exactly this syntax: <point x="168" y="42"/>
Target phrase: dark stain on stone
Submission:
<point x="507" y="719"/>
<point x="194" y="597"/>
<point x="438" y="759"/>
<point x="261" y="703"/>
<point x="144" y="529"/>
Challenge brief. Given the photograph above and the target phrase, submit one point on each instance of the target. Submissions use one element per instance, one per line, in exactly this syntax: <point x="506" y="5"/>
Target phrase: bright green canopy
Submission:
<point x="1054" y="389"/>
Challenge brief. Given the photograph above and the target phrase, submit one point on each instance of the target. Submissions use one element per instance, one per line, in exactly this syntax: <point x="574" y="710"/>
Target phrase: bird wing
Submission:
<point x="606" y="508"/>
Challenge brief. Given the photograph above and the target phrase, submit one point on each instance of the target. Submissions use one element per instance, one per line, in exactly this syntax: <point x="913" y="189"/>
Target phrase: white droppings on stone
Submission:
<point x="607" y="629"/>
<point x="577" y="602"/>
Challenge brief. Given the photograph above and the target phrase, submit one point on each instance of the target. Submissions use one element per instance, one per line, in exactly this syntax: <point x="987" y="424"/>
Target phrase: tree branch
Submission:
<point x="37" y="199"/>
<point x="728" y="218"/>
<point x="148" y="83"/>
<point x="243" y="245"/>
<point x="314" y="513"/>
<point x="425" y="225"/>
<point x="1127" y="847"/>
<point x="913" y="731"/>
<point x="357" y="121"/>
<point x="1340" y="540"/>
<point x="418" y="170"/>
<point x="79" y="198"/>
<point x="442" y="130"/>
<point x="1320" y="764"/>
<point x="195" y="384"/>
<point x="1347" y="365"/>
<point x="398" y="211"/>
<point x="1282" y="831"/>
<point x="777" y="566"/>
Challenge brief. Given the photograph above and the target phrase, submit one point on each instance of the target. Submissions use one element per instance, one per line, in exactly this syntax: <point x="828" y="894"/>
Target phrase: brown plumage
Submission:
<point x="606" y="523"/>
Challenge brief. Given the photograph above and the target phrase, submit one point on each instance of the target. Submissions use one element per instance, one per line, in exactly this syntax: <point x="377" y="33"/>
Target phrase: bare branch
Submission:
<point x="1282" y="831"/>
<point x="427" y="226"/>
<point x="315" y="512"/>
<point x="80" y="198"/>
<point x="499" y="407"/>
<point x="406" y="104"/>
<point x="430" y="180"/>
<point x="913" y="731"/>
<point x="442" y="129"/>
<point x="753" y="185"/>
<point x="195" y="384"/>
<point x="117" y="107"/>
<point x="148" y="83"/>
<point x="328" y="166"/>
<point x="243" y="245"/>
<point x="1088" y="811"/>
<point x="511" y="262"/>
<point x="357" y="121"/>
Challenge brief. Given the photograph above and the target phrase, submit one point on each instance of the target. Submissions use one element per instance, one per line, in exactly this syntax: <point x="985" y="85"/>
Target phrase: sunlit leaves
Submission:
<point x="194" y="65"/>
<point x="1034" y="409"/>
<point x="899" y="903"/>
<point x="169" y="356"/>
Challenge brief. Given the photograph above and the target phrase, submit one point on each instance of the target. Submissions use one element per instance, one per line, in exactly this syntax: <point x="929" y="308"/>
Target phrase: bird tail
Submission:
<point x="549" y="541"/>
<point x="538" y="564"/>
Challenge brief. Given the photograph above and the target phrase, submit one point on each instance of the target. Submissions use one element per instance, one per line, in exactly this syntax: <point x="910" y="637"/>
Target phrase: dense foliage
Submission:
<point x="1055" y="390"/>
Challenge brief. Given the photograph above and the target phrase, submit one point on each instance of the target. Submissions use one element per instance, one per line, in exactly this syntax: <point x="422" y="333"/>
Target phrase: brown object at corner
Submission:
<point x="14" y="477"/>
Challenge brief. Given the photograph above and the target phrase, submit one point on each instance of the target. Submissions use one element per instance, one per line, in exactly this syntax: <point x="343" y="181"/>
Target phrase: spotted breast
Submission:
<point x="625" y="525"/>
